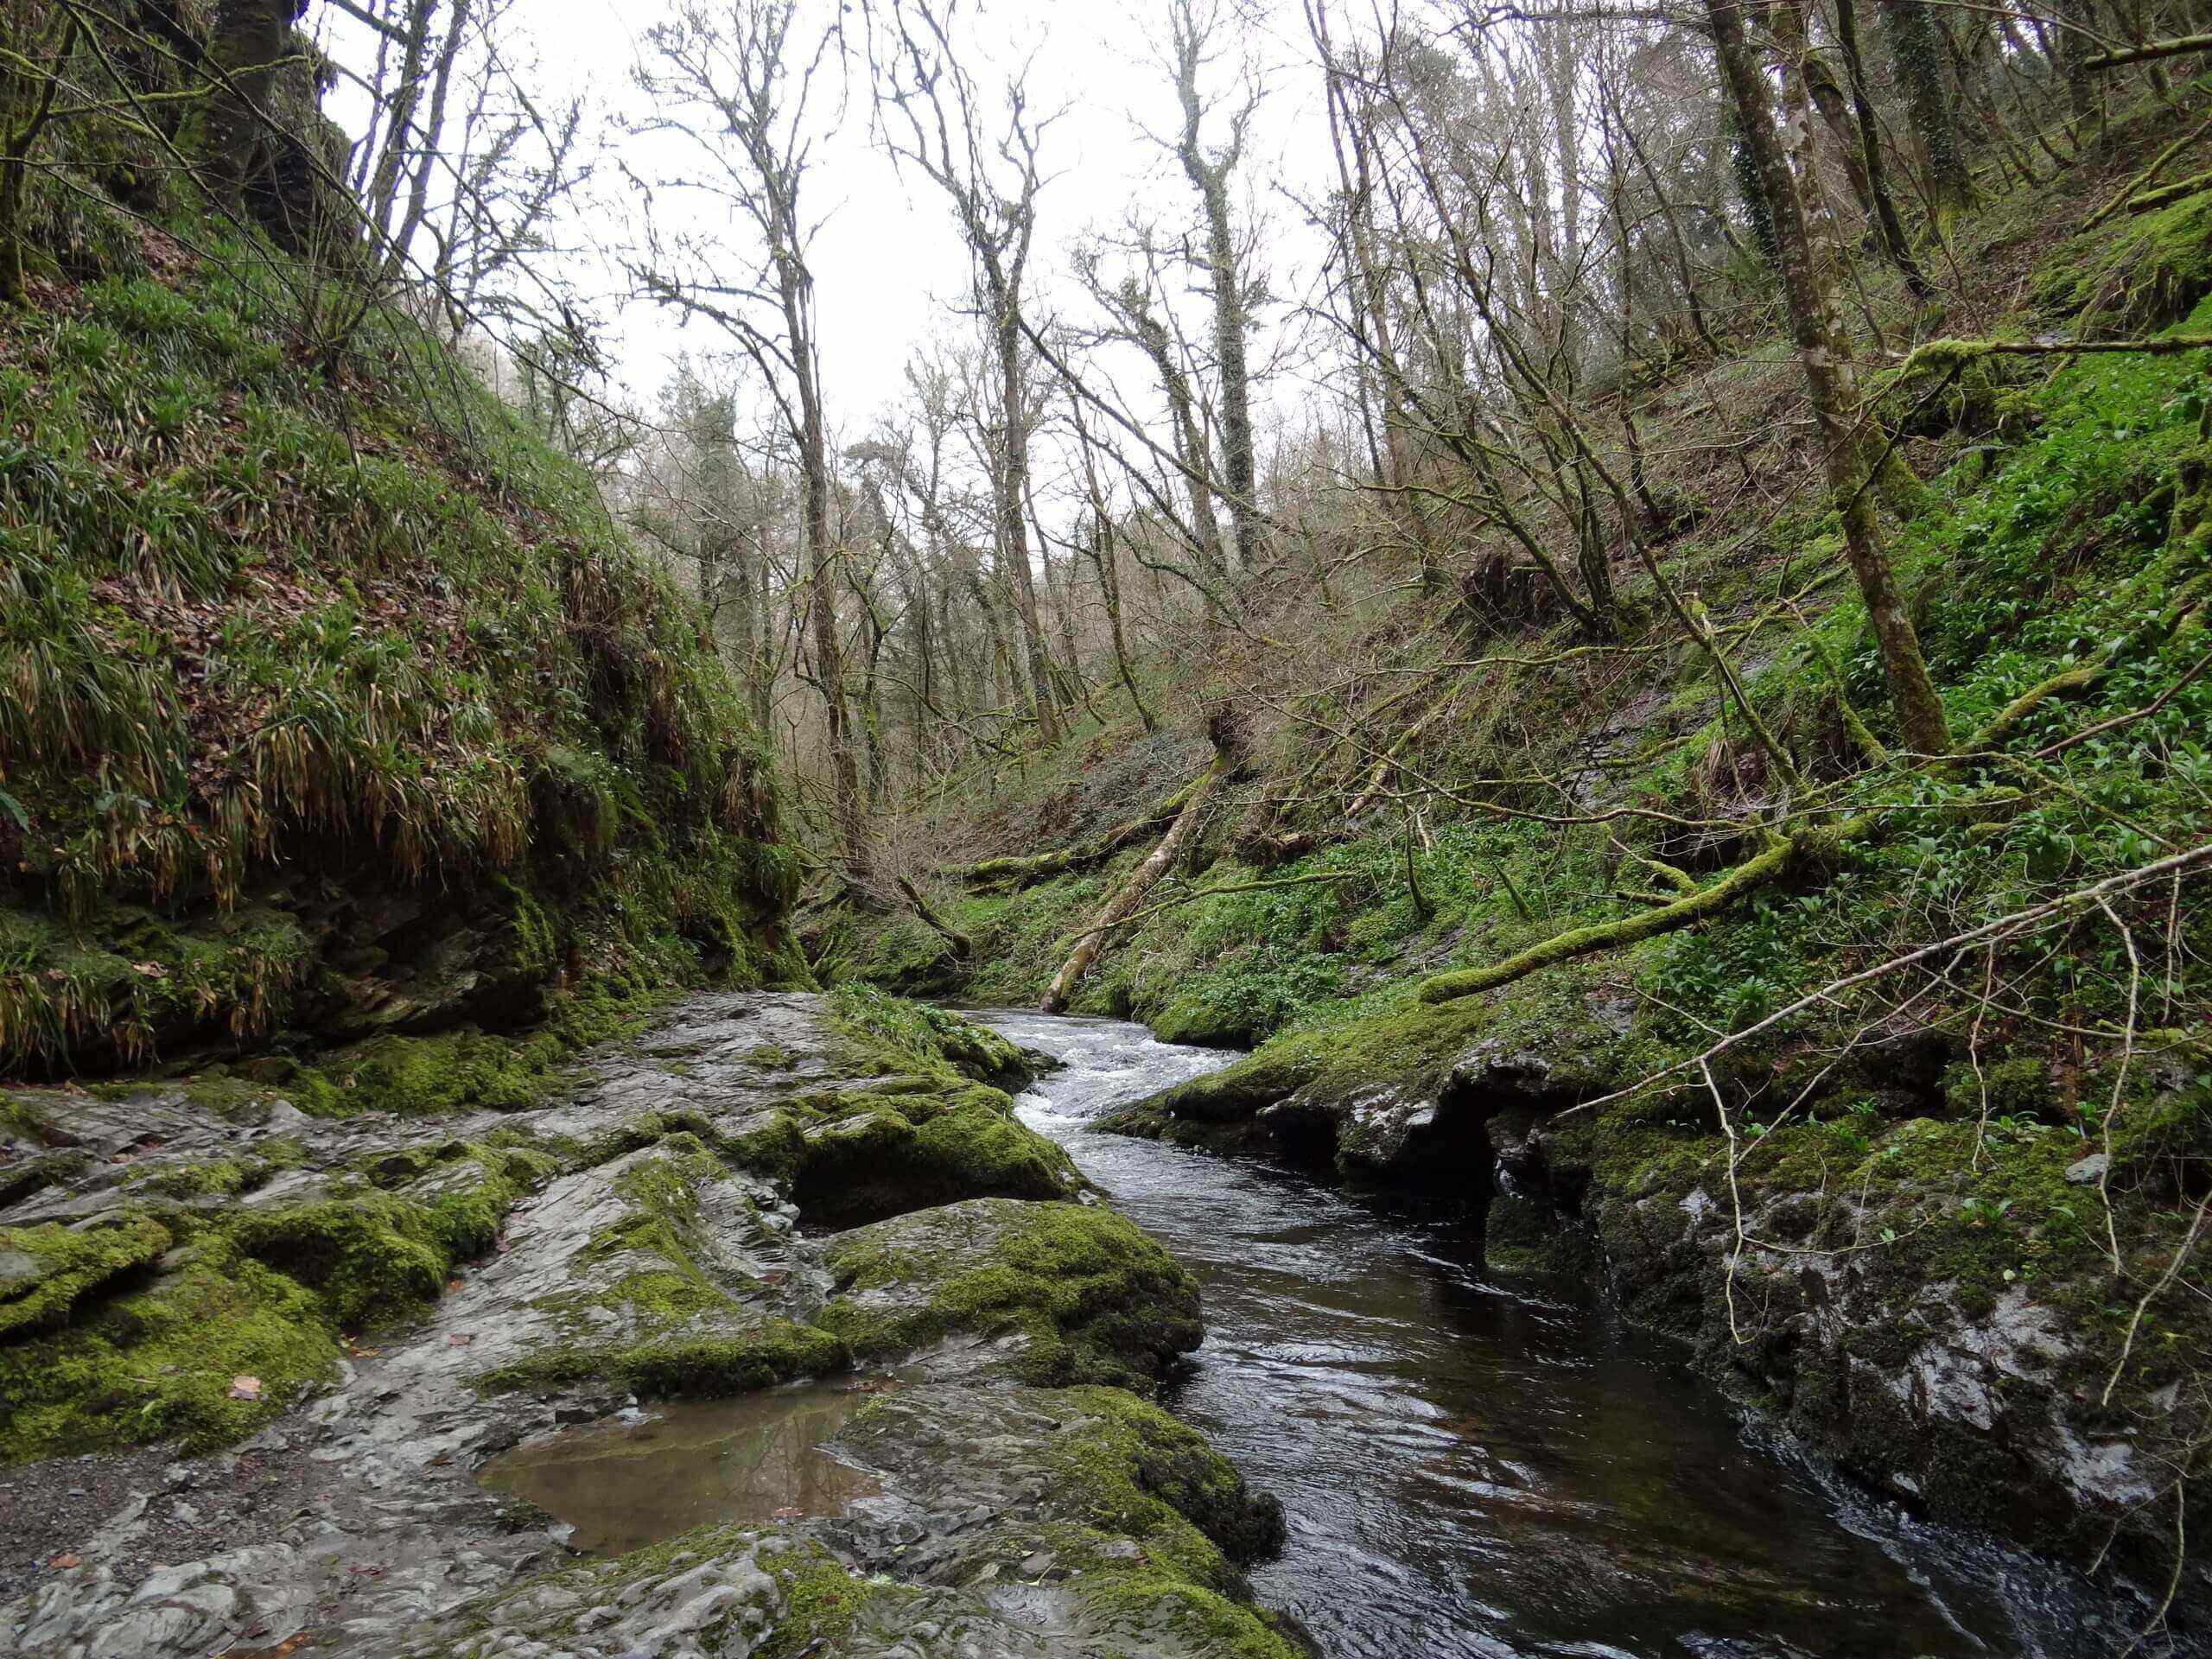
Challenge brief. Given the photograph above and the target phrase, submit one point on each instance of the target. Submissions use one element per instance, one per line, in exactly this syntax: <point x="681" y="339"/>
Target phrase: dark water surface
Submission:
<point x="1495" y="1465"/>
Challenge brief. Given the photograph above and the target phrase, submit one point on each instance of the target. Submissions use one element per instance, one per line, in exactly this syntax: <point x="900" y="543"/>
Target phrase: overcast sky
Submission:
<point x="887" y="263"/>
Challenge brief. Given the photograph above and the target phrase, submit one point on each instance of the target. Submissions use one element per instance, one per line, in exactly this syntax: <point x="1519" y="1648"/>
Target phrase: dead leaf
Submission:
<point x="245" y="1387"/>
<point x="65" y="1561"/>
<point x="461" y="1339"/>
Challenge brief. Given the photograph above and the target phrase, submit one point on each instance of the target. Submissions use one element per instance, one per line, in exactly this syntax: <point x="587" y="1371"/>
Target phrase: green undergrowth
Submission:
<point x="261" y="617"/>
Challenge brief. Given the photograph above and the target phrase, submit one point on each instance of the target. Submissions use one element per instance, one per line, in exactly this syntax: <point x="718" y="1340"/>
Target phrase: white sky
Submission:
<point x="887" y="264"/>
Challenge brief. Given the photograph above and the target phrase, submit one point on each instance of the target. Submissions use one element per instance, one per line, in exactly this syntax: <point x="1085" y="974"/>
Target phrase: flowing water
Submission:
<point x="1478" y="1464"/>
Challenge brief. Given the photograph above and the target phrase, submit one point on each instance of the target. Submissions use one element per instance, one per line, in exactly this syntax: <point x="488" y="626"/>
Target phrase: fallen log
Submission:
<point x="1784" y="854"/>
<point x="1013" y="872"/>
<point x="1124" y="902"/>
<point x="963" y="946"/>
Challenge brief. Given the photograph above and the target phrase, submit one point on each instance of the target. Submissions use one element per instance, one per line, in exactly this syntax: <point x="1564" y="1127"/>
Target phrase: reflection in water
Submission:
<point x="1490" y="1465"/>
<point x="756" y="1458"/>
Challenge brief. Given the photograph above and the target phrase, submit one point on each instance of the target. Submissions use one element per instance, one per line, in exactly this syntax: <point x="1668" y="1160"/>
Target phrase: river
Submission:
<point x="1492" y="1464"/>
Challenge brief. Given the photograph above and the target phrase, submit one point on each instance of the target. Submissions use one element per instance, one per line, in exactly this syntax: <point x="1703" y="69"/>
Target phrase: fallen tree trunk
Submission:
<point x="963" y="946"/>
<point x="1785" y="852"/>
<point x="1013" y="872"/>
<point x="2148" y="52"/>
<point x="1123" y="903"/>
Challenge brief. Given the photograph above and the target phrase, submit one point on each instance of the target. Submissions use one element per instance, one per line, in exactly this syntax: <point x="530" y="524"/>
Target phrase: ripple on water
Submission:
<point x="1479" y="1465"/>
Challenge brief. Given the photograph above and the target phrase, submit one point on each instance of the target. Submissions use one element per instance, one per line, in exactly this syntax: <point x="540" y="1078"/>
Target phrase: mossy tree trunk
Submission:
<point x="1809" y="263"/>
<point x="250" y="38"/>
<point x="26" y="95"/>
<point x="1916" y="49"/>
<point x="1894" y="241"/>
<point x="1210" y="175"/>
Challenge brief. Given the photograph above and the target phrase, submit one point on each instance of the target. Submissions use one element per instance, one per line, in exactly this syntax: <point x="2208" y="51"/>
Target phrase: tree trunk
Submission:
<point x="1190" y="438"/>
<point x="1109" y="589"/>
<point x="249" y="38"/>
<point x="1211" y="180"/>
<point x="1916" y="50"/>
<point x="1141" y="882"/>
<point x="1010" y="488"/>
<point x="1807" y="260"/>
<point x="422" y="162"/>
<point x="1894" y="240"/>
<point x="17" y="139"/>
<point x="823" y="556"/>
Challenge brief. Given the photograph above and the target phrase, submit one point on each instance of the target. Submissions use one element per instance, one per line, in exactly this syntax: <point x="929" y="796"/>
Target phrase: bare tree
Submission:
<point x="738" y="81"/>
<point x="1193" y="28"/>
<point x="929" y="104"/>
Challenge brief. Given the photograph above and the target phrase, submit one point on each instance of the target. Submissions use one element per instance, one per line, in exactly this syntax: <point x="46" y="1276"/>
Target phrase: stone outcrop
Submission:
<point x="325" y="1323"/>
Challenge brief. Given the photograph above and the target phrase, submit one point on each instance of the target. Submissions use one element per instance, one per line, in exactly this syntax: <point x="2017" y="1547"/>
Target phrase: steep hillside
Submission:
<point x="337" y="707"/>
<point x="1887" y="1084"/>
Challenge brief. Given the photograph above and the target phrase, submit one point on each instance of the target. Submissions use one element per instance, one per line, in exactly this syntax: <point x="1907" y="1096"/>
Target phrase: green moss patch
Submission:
<point x="888" y="1034"/>
<point x="165" y="1360"/>
<point x="44" y="1270"/>
<point x="1095" y="1300"/>
<point x="2137" y="275"/>
<point x="775" y="1351"/>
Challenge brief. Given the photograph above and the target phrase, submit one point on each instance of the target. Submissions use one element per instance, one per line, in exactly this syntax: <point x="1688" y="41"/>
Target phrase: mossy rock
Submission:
<point x="1089" y="1293"/>
<point x="45" y="1271"/>
<point x="891" y="1034"/>
<point x="761" y="1356"/>
<point x="879" y="1162"/>
<point x="1133" y="1467"/>
<point x="167" y="1360"/>
<point x="2147" y="272"/>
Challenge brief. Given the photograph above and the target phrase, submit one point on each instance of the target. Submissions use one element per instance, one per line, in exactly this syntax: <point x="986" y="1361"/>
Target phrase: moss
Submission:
<point x="1094" y="1298"/>
<point x="430" y="648"/>
<point x="891" y="1034"/>
<point x="378" y="1257"/>
<point x="373" y="1258"/>
<point x="2147" y="271"/>
<point x="21" y="1120"/>
<point x="776" y="1351"/>
<point x="46" y="1270"/>
<point x="224" y="1177"/>
<point x="415" y="1075"/>
<point x="819" y="1599"/>
<point x="878" y="1160"/>
<point x="164" y="1361"/>
<point x="1137" y="1470"/>
<point x="1135" y="1601"/>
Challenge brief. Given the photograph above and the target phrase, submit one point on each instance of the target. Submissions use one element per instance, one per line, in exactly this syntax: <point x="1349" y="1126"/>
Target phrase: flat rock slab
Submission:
<point x="354" y="1523"/>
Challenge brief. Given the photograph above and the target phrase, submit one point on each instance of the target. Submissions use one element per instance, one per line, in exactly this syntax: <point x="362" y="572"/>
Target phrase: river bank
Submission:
<point x="1492" y="1460"/>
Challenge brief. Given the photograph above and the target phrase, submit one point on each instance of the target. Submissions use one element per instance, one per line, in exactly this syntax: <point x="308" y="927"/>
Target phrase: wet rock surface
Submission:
<point x="449" y="1287"/>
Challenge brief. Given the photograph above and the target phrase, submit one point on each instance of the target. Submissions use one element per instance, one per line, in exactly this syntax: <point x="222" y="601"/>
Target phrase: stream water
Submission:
<point x="1478" y="1464"/>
